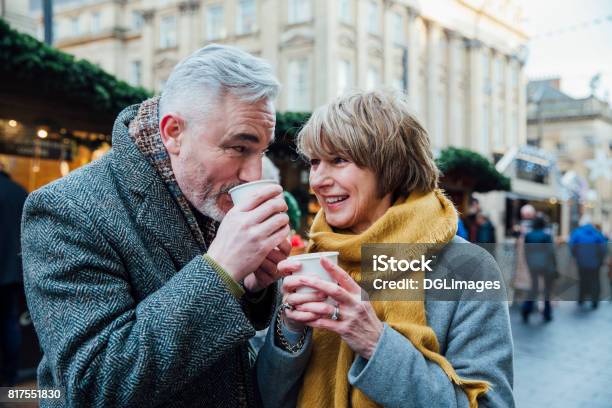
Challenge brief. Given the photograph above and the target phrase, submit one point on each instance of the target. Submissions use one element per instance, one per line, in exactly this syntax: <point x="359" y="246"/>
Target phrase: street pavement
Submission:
<point x="566" y="363"/>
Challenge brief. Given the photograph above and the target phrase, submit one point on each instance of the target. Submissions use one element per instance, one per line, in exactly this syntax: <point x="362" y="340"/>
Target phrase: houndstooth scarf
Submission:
<point x="144" y="131"/>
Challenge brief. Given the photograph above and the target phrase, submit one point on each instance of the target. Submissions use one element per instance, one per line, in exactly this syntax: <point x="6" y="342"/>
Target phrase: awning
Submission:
<point x="534" y="173"/>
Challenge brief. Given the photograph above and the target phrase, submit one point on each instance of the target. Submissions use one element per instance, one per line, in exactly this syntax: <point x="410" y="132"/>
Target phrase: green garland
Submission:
<point x="288" y="125"/>
<point x="469" y="164"/>
<point x="37" y="67"/>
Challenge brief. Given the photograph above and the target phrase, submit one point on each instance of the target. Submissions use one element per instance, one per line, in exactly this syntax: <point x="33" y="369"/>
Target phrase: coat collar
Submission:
<point x="129" y="164"/>
<point x="157" y="213"/>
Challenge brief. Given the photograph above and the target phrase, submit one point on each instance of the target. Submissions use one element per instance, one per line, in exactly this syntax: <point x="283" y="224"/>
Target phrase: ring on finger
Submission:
<point x="286" y="306"/>
<point x="336" y="314"/>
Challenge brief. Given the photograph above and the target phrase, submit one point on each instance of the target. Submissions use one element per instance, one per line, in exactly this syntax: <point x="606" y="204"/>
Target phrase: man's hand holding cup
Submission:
<point x="252" y="238"/>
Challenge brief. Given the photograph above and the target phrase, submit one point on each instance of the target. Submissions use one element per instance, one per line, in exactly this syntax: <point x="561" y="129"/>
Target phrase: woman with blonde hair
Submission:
<point x="372" y="171"/>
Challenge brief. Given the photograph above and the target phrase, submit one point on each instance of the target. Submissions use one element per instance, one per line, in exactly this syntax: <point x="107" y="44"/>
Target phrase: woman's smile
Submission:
<point x="334" y="202"/>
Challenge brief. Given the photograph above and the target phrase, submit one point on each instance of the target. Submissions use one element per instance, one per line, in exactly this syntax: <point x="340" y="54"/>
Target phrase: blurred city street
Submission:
<point x="565" y="363"/>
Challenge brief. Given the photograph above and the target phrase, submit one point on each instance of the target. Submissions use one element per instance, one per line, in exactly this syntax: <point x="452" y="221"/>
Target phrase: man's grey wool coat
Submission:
<point x="128" y="312"/>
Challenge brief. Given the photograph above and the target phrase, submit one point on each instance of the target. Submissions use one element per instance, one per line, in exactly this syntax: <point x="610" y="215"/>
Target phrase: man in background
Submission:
<point x="588" y="247"/>
<point x="12" y="197"/>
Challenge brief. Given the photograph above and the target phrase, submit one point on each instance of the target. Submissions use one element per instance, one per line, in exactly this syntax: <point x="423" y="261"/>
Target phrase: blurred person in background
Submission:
<point x="608" y="261"/>
<point x="485" y="231"/>
<point x="610" y="273"/>
<point x="12" y="198"/>
<point x="542" y="263"/>
<point x="589" y="247"/>
<point x="471" y="220"/>
<point x="461" y="230"/>
<point x="521" y="276"/>
<point x="528" y="214"/>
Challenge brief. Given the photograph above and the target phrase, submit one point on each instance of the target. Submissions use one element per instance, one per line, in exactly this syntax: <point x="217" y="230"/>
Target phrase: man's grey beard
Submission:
<point x="210" y="209"/>
<point x="209" y="206"/>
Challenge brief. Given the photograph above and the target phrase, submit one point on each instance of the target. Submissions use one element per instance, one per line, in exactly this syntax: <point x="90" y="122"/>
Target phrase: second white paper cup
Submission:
<point x="311" y="266"/>
<point x="243" y="191"/>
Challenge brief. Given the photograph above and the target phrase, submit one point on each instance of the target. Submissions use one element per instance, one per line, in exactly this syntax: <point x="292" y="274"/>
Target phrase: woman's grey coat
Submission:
<point x="474" y="336"/>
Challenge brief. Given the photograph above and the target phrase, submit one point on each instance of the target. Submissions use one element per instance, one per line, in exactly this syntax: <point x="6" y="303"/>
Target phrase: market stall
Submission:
<point x="56" y="113"/>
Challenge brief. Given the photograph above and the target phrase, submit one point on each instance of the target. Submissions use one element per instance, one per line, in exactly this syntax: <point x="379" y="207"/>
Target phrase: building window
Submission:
<point x="373" y="78"/>
<point x="515" y="76"/>
<point x="136" y="73"/>
<point x="398" y="28"/>
<point x="95" y="22"/>
<point x="167" y="32"/>
<point x="561" y="147"/>
<point x="298" y="79"/>
<point x="215" y="22"/>
<point x="345" y="76"/>
<point x="457" y="56"/>
<point x="373" y="17"/>
<point x="74" y="26"/>
<point x="498" y="129"/>
<point x="514" y="126"/>
<point x="485" y="128"/>
<point x="457" y="128"/>
<point x="405" y="69"/>
<point x="440" y="125"/>
<point x="499" y="69"/>
<point x="486" y="73"/>
<point x="299" y="11"/>
<point x="137" y="20"/>
<point x="530" y="171"/>
<point x="57" y="33"/>
<point x="398" y="83"/>
<point x="247" y="17"/>
<point x="345" y="11"/>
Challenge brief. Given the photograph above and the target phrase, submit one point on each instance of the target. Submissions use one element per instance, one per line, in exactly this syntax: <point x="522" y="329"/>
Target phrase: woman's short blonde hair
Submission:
<point x="374" y="130"/>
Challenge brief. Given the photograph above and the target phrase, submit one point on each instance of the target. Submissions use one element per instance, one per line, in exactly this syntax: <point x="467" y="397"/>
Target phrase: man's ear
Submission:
<point x="171" y="129"/>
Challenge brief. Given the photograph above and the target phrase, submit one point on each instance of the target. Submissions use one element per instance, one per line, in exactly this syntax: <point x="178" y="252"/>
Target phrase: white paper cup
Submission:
<point x="241" y="193"/>
<point x="311" y="266"/>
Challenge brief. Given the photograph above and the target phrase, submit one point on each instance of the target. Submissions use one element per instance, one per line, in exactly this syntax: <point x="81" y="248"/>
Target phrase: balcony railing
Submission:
<point x="566" y="109"/>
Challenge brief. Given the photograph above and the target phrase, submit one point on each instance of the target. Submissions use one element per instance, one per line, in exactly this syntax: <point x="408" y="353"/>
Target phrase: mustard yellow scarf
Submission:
<point x="428" y="218"/>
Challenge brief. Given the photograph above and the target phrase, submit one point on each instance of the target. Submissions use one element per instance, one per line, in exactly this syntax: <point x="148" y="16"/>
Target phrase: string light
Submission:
<point x="42" y="133"/>
<point x="563" y="30"/>
<point x="64" y="168"/>
<point x="12" y="123"/>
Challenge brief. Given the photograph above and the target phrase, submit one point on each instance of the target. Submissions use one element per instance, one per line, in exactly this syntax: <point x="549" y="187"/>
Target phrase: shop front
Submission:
<point x="36" y="155"/>
<point x="56" y="114"/>
<point x="535" y="180"/>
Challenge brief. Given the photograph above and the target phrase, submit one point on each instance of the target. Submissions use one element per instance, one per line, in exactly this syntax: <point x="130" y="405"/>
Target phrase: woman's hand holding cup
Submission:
<point x="296" y="294"/>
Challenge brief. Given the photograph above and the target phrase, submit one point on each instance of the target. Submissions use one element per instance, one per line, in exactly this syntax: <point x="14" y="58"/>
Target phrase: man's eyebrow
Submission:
<point x="244" y="137"/>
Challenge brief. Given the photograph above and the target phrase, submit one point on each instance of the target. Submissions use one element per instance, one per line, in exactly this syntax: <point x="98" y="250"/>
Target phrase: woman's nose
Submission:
<point x="319" y="176"/>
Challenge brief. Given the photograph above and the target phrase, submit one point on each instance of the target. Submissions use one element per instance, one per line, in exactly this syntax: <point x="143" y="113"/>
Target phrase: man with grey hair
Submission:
<point x="143" y="280"/>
